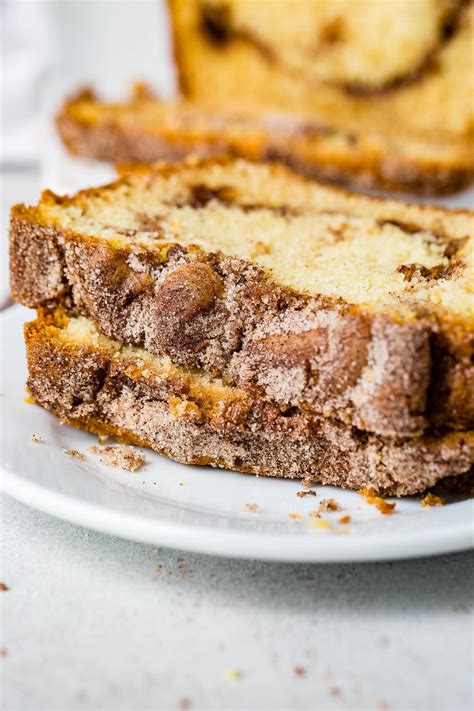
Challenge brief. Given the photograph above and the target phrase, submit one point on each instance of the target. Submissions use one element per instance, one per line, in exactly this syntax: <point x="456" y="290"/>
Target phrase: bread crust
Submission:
<point x="310" y="352"/>
<point x="360" y="161"/>
<point x="87" y="387"/>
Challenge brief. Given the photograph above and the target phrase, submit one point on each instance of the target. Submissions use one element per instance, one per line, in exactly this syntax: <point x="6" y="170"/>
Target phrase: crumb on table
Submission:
<point x="308" y="492"/>
<point x="36" y="438"/>
<point x="3" y="587"/>
<point x="345" y="519"/>
<point x="295" y="516"/>
<point x="299" y="671"/>
<point x="233" y="674"/>
<point x="119" y="456"/>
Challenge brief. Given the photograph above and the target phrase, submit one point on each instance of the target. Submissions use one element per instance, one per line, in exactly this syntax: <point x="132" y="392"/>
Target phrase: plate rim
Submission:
<point x="244" y="544"/>
<point x="237" y="544"/>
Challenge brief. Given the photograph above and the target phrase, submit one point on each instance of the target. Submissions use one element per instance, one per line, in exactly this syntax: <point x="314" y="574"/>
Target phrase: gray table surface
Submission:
<point x="92" y="622"/>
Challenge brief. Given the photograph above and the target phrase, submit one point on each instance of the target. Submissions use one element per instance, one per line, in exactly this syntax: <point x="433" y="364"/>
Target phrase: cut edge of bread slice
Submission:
<point x="156" y="277"/>
<point x="220" y="55"/>
<point x="144" y="130"/>
<point x="97" y="384"/>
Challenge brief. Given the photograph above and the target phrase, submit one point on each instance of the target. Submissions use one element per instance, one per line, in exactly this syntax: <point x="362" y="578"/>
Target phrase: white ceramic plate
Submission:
<point x="197" y="508"/>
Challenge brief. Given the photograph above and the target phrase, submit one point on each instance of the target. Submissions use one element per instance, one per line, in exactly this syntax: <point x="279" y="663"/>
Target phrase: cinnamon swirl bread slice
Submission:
<point x="95" y="383"/>
<point x="390" y="66"/>
<point x="354" y="308"/>
<point x="143" y="130"/>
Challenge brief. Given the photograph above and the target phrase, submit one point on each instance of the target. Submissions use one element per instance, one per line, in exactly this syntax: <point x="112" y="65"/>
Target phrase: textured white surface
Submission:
<point x="92" y="622"/>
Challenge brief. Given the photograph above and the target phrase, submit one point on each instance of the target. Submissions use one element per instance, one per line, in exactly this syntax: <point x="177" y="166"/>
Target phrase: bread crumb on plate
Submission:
<point x="329" y="505"/>
<point x="319" y="524"/>
<point x="253" y="508"/>
<point x="432" y="500"/>
<point x="385" y="507"/>
<point x="75" y="454"/>
<point x="119" y="456"/>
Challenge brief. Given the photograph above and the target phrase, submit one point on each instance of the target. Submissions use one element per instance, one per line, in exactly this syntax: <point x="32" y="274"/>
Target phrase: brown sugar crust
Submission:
<point x="224" y="315"/>
<point x="223" y="426"/>
<point x="144" y="130"/>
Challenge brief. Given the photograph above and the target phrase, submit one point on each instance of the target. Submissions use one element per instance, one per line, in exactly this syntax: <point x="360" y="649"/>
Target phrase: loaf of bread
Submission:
<point x="144" y="130"/>
<point x="92" y="382"/>
<point x="406" y="64"/>
<point x="357" y="309"/>
<point x="402" y="71"/>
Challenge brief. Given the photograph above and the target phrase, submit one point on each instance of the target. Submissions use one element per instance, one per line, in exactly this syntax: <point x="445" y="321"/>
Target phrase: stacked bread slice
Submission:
<point x="145" y="129"/>
<point x="238" y="315"/>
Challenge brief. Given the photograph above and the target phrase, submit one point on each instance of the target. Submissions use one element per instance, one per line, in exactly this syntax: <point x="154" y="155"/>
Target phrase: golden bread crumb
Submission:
<point x="319" y="524"/>
<point x="432" y="500"/>
<point x="329" y="505"/>
<point x="254" y="508"/>
<point x="385" y="507"/>
<point x="299" y="671"/>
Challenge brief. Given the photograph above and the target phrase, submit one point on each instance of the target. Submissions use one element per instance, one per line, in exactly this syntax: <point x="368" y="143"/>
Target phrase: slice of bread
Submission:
<point x="402" y="70"/>
<point x="357" y="308"/>
<point x="92" y="382"/>
<point x="144" y="130"/>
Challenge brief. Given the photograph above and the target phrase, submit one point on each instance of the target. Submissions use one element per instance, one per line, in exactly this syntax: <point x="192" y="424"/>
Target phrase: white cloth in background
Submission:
<point x="27" y="58"/>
